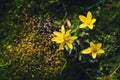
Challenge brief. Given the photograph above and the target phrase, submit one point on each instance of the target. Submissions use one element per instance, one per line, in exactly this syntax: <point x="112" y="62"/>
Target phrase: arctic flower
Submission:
<point x="64" y="38"/>
<point x="95" y="49"/>
<point x="87" y="21"/>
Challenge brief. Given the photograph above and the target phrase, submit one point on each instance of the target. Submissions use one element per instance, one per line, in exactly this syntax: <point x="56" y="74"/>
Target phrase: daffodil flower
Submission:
<point x="95" y="49"/>
<point x="87" y="21"/>
<point x="64" y="38"/>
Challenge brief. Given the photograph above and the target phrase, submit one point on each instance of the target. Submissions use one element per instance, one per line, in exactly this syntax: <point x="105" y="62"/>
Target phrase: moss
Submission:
<point x="34" y="55"/>
<point x="28" y="53"/>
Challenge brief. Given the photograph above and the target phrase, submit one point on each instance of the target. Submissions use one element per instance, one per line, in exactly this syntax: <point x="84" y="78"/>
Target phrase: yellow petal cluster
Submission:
<point x="64" y="38"/>
<point x="95" y="49"/>
<point x="87" y="21"/>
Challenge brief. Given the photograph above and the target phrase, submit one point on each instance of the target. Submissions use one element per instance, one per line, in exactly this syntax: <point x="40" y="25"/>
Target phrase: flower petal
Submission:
<point x="98" y="46"/>
<point x="57" y="33"/>
<point x="86" y="51"/>
<point x="93" y="21"/>
<point x="90" y="26"/>
<point x="89" y="15"/>
<point x="72" y="38"/>
<point x="92" y="45"/>
<point x="83" y="25"/>
<point x="100" y="51"/>
<point x="94" y="55"/>
<point x="69" y="44"/>
<point x="82" y="18"/>
<point x="62" y="29"/>
<point x="57" y="39"/>
<point x="67" y="33"/>
<point x="61" y="47"/>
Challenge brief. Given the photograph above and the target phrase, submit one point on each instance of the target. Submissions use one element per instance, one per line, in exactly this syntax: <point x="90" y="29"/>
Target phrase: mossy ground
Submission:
<point x="26" y="50"/>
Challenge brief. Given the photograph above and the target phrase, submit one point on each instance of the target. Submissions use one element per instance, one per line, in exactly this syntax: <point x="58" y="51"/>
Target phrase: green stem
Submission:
<point x="63" y="67"/>
<point x="115" y="71"/>
<point x="101" y="1"/>
<point x="75" y="30"/>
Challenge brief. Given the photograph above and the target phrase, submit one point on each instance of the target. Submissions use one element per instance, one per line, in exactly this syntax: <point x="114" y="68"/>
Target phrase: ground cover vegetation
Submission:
<point x="59" y="39"/>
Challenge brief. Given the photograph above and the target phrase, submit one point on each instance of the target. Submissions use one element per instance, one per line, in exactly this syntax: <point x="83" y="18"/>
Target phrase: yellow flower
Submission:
<point x="87" y="21"/>
<point x="94" y="49"/>
<point x="64" y="38"/>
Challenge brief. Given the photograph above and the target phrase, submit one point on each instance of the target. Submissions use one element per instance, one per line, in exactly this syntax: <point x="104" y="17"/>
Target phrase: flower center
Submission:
<point x="88" y="21"/>
<point x="94" y="50"/>
<point x="66" y="39"/>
